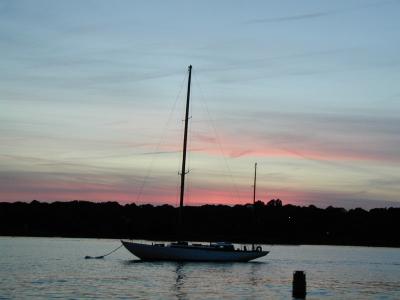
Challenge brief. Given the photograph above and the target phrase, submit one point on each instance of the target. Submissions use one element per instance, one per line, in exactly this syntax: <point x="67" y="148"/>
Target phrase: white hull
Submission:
<point x="189" y="253"/>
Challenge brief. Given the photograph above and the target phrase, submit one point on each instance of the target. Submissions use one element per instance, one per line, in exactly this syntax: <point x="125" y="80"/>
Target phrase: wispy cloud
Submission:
<point x="84" y="91"/>
<point x="319" y="14"/>
<point x="261" y="62"/>
<point x="291" y="18"/>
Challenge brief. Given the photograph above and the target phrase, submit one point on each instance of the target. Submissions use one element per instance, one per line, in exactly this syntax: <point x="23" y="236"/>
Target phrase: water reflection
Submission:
<point x="55" y="268"/>
<point x="133" y="261"/>
<point x="226" y="279"/>
<point x="254" y="276"/>
<point x="180" y="281"/>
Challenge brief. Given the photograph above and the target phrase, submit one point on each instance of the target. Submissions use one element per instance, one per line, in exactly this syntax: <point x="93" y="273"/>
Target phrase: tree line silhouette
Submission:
<point x="270" y="223"/>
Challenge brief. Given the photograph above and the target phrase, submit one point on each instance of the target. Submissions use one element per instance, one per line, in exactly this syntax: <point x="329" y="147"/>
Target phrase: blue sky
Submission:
<point x="309" y="89"/>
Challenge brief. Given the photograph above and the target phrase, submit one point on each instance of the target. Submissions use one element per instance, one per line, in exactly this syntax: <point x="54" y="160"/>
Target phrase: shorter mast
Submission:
<point x="254" y="186"/>
<point x="254" y="200"/>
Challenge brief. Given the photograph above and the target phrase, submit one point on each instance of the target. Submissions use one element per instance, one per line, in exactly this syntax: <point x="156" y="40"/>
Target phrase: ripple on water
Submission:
<point x="56" y="268"/>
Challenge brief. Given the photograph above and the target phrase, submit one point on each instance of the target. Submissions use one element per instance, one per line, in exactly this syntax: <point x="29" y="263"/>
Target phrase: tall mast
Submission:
<point x="183" y="170"/>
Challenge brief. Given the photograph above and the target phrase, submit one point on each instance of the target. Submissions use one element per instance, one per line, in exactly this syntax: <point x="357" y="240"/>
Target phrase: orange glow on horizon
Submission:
<point x="192" y="197"/>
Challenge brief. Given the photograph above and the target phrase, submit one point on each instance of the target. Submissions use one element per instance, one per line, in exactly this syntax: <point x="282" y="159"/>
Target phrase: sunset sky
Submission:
<point x="92" y="100"/>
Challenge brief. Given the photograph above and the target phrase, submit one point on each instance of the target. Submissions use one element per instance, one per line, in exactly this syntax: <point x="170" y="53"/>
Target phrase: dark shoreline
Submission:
<point x="271" y="223"/>
<point x="204" y="241"/>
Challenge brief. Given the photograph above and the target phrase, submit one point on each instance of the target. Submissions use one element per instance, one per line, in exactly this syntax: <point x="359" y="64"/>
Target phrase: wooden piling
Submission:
<point x="299" y="285"/>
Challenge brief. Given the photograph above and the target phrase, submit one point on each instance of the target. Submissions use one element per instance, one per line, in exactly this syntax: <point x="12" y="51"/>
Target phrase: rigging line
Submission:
<point x="203" y="101"/>
<point x="161" y="140"/>
<point x="104" y="255"/>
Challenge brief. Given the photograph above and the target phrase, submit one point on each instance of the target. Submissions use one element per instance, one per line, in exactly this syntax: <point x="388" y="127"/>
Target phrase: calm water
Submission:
<point x="56" y="268"/>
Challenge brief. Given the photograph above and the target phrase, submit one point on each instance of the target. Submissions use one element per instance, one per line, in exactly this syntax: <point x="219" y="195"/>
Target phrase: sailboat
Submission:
<point x="185" y="251"/>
